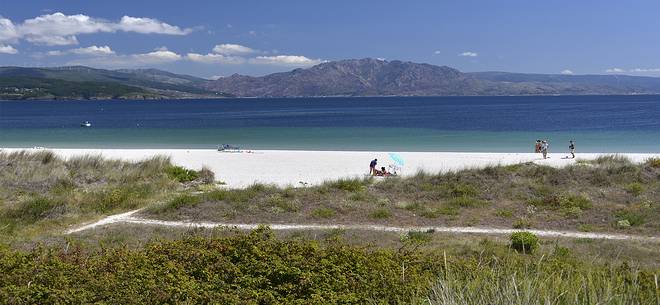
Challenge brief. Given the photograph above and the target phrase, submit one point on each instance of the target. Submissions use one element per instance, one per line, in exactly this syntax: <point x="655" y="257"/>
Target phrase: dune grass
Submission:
<point x="40" y="192"/>
<point x="596" y="193"/>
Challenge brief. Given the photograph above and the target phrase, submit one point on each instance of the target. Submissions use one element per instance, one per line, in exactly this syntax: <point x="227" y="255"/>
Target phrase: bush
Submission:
<point x="253" y="268"/>
<point x="653" y="162"/>
<point x="349" y="185"/>
<point x="35" y="209"/>
<point x="463" y="190"/>
<point x="181" y="174"/>
<point x="573" y="212"/>
<point x="381" y="213"/>
<point x="504" y="213"/>
<point x="183" y="200"/>
<point x="634" y="188"/>
<point x="323" y="213"/>
<point x="524" y="242"/>
<point x="634" y="218"/>
<point x="436" y="212"/>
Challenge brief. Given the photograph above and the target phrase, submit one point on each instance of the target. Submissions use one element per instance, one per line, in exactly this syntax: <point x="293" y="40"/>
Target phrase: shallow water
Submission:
<point x="486" y="124"/>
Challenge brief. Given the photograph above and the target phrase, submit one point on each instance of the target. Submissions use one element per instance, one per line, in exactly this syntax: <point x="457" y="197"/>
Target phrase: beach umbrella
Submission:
<point x="397" y="159"/>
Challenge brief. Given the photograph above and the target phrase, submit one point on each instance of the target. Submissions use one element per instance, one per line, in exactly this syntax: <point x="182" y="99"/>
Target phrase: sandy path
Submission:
<point x="128" y="218"/>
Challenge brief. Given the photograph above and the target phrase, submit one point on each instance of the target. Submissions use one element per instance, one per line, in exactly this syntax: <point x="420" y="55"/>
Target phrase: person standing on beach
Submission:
<point x="372" y="167"/>
<point x="544" y="148"/>
<point x="571" y="148"/>
<point x="537" y="147"/>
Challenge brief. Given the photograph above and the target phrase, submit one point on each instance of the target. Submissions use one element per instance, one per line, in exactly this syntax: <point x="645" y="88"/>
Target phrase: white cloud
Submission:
<point x="252" y="33"/>
<point x="285" y="60"/>
<point x="469" y="54"/>
<point x="215" y="77"/>
<point x="7" y="30"/>
<point x="158" y="57"/>
<point x="88" y="51"/>
<point x="615" y="70"/>
<point x="7" y="49"/>
<point x="149" y="26"/>
<point x="645" y="70"/>
<point x="436" y="52"/>
<point x="58" y="29"/>
<point x="567" y="72"/>
<point x="212" y="58"/>
<point x="232" y="49"/>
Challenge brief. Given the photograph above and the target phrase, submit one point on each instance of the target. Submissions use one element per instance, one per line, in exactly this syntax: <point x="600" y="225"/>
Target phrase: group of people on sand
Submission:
<point x="542" y="146"/>
<point x="373" y="171"/>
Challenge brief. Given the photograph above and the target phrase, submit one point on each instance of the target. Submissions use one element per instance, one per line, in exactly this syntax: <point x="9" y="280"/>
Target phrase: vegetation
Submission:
<point x="16" y="88"/>
<point x="259" y="268"/>
<point x="524" y="242"/>
<point x="41" y="192"/>
<point x="596" y="193"/>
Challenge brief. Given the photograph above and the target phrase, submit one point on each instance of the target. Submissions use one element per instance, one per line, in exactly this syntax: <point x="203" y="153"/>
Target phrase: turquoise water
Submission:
<point x="477" y="124"/>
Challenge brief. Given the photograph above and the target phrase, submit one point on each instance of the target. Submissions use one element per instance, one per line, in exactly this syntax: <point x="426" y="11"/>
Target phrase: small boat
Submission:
<point x="86" y="124"/>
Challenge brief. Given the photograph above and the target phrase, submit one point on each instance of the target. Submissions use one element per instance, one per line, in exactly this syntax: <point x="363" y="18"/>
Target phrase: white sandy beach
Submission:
<point x="293" y="168"/>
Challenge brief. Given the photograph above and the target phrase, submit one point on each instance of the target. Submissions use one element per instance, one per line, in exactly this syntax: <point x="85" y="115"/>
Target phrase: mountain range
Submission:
<point x="353" y="77"/>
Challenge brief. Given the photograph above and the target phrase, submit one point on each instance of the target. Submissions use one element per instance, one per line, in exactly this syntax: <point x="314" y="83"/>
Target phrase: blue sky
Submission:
<point x="219" y="38"/>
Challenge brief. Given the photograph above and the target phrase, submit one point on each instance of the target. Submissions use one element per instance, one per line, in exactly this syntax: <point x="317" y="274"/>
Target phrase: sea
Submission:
<point x="460" y="124"/>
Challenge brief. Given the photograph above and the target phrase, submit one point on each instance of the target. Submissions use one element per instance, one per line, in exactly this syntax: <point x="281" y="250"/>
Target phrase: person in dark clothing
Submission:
<point x="372" y="167"/>
<point x="571" y="148"/>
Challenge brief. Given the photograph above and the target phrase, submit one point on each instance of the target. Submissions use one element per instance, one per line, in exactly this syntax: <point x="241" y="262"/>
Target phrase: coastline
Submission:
<point x="305" y="168"/>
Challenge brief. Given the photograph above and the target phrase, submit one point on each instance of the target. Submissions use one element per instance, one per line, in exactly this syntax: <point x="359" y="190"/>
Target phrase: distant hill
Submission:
<point x="352" y="77"/>
<point x="78" y="82"/>
<point x="372" y="77"/>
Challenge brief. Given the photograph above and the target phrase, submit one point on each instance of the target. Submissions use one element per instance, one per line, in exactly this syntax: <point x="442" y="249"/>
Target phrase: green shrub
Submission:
<point x="524" y="242"/>
<point x="436" y="212"/>
<point x="572" y="212"/>
<point x="463" y="190"/>
<point x="586" y="227"/>
<point x="381" y="213"/>
<point x="418" y="237"/>
<point x="634" y="218"/>
<point x="37" y="208"/>
<point x="363" y="196"/>
<point x="183" y="200"/>
<point x="181" y="174"/>
<point x="565" y="201"/>
<point x="634" y="188"/>
<point x="504" y="213"/>
<point x="653" y="162"/>
<point x="216" y="195"/>
<point x="323" y="212"/>
<point x="350" y="185"/>
<point x="283" y="203"/>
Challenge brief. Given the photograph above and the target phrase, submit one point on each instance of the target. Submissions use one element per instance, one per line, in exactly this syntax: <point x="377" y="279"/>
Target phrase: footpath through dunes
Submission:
<point x="609" y="197"/>
<point x="129" y="218"/>
<point x="309" y="168"/>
